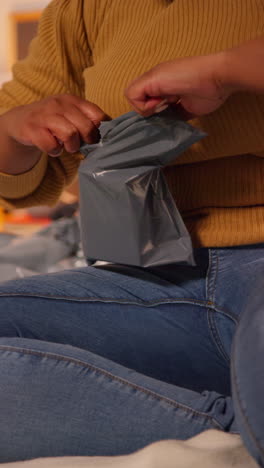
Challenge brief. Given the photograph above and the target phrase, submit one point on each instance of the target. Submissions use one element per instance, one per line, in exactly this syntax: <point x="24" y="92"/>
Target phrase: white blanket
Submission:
<point x="211" y="449"/>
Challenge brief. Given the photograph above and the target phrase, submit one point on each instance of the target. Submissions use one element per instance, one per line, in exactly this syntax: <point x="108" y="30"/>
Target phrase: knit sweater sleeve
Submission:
<point x="56" y="61"/>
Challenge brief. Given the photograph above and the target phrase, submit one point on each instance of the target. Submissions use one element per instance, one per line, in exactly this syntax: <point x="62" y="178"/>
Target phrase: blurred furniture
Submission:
<point x="24" y="27"/>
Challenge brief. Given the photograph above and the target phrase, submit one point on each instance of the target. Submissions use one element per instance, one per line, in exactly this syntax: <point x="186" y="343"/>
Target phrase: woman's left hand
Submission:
<point x="193" y="82"/>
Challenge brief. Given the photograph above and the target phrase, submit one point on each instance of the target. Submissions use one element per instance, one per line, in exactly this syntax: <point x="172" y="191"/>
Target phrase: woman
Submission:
<point x="150" y="349"/>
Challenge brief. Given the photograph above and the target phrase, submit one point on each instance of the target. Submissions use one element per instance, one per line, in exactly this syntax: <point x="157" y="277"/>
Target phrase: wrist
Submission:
<point x="224" y="74"/>
<point x="15" y="158"/>
<point x="229" y="71"/>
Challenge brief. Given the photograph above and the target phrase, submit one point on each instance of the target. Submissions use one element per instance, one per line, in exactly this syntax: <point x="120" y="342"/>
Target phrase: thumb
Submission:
<point x="142" y="102"/>
<point x="142" y="96"/>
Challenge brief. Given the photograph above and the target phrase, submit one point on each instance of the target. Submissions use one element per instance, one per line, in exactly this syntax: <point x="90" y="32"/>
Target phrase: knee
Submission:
<point x="248" y="377"/>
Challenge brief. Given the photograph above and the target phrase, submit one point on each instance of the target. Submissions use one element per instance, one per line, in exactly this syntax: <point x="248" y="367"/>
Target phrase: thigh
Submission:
<point x="155" y="322"/>
<point x="56" y="400"/>
<point x="237" y="272"/>
<point x="233" y="283"/>
<point x="248" y="375"/>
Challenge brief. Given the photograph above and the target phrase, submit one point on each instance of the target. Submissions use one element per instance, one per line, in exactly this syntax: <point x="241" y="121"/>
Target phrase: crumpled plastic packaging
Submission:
<point x="128" y="215"/>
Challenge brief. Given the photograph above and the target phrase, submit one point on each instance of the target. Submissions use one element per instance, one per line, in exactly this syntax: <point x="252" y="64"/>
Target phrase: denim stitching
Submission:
<point x="209" y="284"/>
<point x="216" y="338"/>
<point x="108" y="299"/>
<point x="208" y="274"/>
<point x="225" y="312"/>
<point x="211" y="290"/>
<point x="212" y="276"/>
<point x="209" y="315"/>
<point x="216" y="274"/>
<point x="157" y="302"/>
<point x="77" y="362"/>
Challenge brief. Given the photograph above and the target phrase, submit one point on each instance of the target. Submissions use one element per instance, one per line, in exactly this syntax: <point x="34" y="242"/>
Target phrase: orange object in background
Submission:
<point x="25" y="218"/>
<point x="2" y="219"/>
<point x="21" y="223"/>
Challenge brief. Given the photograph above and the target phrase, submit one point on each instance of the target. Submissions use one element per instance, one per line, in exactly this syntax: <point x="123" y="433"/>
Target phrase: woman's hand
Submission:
<point x="194" y="83"/>
<point x="54" y="123"/>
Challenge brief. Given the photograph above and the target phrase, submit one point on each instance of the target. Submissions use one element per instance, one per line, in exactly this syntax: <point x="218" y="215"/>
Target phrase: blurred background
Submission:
<point x="18" y="24"/>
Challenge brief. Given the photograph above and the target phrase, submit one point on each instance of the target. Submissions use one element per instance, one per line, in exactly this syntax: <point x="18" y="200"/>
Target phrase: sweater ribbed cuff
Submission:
<point x="19" y="186"/>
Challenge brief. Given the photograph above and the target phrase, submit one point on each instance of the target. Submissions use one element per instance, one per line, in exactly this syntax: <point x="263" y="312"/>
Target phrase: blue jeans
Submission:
<point x="102" y="361"/>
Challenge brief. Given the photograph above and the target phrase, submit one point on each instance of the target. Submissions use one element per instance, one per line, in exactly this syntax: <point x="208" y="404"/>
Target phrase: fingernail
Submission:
<point x="161" y="106"/>
<point x="55" y="154"/>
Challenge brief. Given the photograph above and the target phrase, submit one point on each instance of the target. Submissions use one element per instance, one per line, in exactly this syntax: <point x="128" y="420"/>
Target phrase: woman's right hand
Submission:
<point x="53" y="124"/>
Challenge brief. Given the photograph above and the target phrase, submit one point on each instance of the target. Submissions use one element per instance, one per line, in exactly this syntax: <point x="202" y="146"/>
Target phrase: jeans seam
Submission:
<point x="211" y="285"/>
<point x="199" y="302"/>
<point x="211" y="276"/>
<point x="157" y="302"/>
<point x="235" y="388"/>
<point x="229" y="314"/>
<point x="208" y="274"/>
<point x="215" y="336"/>
<point x="78" y="362"/>
<point x="211" y="291"/>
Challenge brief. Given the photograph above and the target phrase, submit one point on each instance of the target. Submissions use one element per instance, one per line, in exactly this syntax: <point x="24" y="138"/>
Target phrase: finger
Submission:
<point x="86" y="128"/>
<point x="139" y="100"/>
<point x="64" y="131"/>
<point x="151" y="106"/>
<point x="147" y="93"/>
<point x="90" y="110"/>
<point x="161" y="106"/>
<point x="45" y="141"/>
<point x="147" y="105"/>
<point x="141" y="95"/>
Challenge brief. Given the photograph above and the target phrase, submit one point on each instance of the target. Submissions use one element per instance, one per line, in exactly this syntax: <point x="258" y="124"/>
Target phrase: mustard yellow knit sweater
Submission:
<point x="94" y="48"/>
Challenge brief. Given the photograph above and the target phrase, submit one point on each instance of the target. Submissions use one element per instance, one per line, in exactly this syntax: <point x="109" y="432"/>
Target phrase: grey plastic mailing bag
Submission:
<point x="128" y="215"/>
